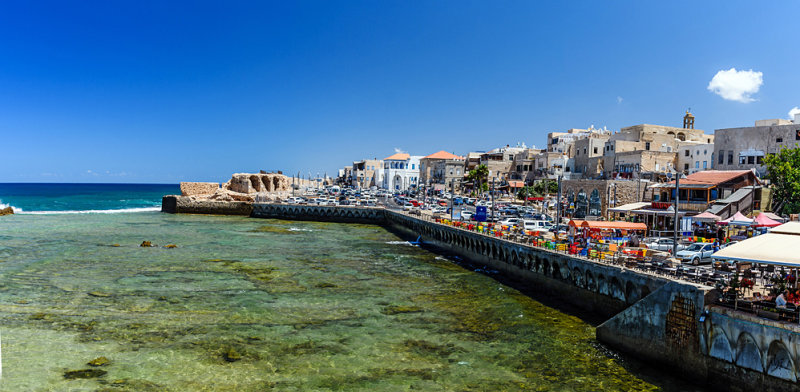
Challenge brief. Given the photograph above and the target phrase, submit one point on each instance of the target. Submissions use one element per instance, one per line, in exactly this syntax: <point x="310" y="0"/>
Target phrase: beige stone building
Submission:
<point x="592" y="198"/>
<point x="499" y="162"/>
<point x="367" y="173"/>
<point x="428" y="164"/>
<point x="745" y="148"/>
<point x="589" y="161"/>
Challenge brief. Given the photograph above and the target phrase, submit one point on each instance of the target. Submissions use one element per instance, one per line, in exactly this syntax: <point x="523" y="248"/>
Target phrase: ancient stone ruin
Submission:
<point x="241" y="187"/>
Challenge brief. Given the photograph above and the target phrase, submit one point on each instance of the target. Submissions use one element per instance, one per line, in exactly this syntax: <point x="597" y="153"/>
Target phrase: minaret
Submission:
<point x="688" y="121"/>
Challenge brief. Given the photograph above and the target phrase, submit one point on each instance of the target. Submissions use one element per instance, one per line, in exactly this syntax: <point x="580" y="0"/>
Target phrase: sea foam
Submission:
<point x="117" y="211"/>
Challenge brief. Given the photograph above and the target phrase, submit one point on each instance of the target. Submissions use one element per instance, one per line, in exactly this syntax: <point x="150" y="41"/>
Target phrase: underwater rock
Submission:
<point x="171" y="246"/>
<point x="325" y="285"/>
<point x="84" y="373"/>
<point x="231" y="355"/>
<point x="99" y="361"/>
<point x="115" y="245"/>
<point x="397" y="309"/>
<point x="146" y="244"/>
<point x="7" y="211"/>
<point x="99" y="294"/>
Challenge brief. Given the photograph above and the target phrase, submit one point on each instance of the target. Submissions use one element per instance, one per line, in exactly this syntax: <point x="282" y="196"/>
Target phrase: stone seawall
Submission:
<point x="651" y="317"/>
<point x="185" y="205"/>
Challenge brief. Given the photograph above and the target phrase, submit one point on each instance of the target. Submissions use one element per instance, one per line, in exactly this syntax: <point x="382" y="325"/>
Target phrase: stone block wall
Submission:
<point x="198" y="188"/>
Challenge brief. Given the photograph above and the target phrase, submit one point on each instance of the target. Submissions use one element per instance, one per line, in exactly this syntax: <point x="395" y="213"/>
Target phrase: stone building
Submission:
<point x="745" y="148"/>
<point x="367" y="173"/>
<point x="592" y="198"/>
<point x="523" y="166"/>
<point x="499" y="162"/>
<point x="447" y="173"/>
<point x="428" y="163"/>
<point x="589" y="155"/>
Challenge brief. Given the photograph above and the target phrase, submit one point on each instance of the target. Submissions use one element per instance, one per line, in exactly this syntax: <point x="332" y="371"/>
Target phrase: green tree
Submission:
<point x="783" y="170"/>
<point x="479" y="177"/>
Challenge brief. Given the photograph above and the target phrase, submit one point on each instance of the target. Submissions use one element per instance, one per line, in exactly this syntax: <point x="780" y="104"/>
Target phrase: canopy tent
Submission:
<point x="764" y="221"/>
<point x="706" y="217"/>
<point x="781" y="246"/>
<point x="774" y="217"/>
<point x="613" y="225"/>
<point x="516" y="184"/>
<point x="737" y="219"/>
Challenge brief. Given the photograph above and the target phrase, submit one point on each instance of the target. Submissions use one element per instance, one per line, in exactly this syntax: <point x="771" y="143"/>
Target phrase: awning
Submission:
<point x="787" y="228"/>
<point x="706" y="217"/>
<point x="621" y="225"/>
<point x="649" y="211"/>
<point x="630" y="206"/>
<point x="516" y="184"/>
<point x="575" y="223"/>
<point x="776" y="247"/>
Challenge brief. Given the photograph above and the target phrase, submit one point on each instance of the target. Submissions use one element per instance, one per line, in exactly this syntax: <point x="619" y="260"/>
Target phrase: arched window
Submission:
<point x="594" y="204"/>
<point x="681" y="136"/>
<point x="581" y="205"/>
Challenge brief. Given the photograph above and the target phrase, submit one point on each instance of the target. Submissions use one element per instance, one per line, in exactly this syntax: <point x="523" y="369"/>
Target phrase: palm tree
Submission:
<point x="479" y="175"/>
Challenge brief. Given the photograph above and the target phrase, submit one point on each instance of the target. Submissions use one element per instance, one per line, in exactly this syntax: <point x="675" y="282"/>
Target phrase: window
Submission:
<point x="742" y="160"/>
<point x="412" y="166"/>
<point x="647" y="147"/>
<point x="584" y="151"/>
<point x="705" y="165"/>
<point x="730" y="157"/>
<point x="595" y="150"/>
<point x="797" y="135"/>
<point x="685" y="166"/>
<point x="721" y="157"/>
<point x="705" y="152"/>
<point x="778" y="140"/>
<point x="759" y="159"/>
<point x="696" y="164"/>
<point x="687" y="153"/>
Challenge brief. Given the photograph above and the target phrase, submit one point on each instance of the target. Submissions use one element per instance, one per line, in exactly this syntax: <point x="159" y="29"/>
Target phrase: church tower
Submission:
<point x="688" y="121"/>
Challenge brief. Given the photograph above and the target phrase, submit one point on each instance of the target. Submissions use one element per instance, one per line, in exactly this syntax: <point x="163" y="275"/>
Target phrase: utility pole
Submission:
<point x="677" y="201"/>
<point x="491" y="192"/>
<point x="558" y="205"/>
<point x="452" y="190"/>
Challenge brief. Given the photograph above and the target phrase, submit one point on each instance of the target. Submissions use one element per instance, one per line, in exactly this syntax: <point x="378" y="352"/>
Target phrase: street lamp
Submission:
<point x="677" y="202"/>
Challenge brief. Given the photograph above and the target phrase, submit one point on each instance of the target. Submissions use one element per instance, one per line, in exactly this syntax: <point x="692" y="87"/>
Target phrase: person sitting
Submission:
<point x="780" y="302"/>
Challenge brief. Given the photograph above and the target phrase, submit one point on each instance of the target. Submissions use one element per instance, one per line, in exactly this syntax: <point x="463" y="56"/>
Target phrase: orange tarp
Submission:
<point x="614" y="225"/>
<point x="576" y="223"/>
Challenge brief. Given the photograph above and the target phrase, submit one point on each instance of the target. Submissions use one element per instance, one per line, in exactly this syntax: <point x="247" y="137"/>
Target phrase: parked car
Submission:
<point x="664" y="244"/>
<point x="509" y="222"/>
<point x="696" y="253"/>
<point x="536" y="225"/>
<point x="408" y="206"/>
<point x="466" y="215"/>
<point x="439" y="210"/>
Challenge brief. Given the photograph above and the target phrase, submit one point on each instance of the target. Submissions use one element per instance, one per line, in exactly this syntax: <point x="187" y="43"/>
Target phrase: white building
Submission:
<point x="694" y="157"/>
<point x="401" y="172"/>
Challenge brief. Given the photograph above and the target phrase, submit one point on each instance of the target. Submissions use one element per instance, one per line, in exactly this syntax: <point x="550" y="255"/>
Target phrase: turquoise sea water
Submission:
<point x="245" y="304"/>
<point x="73" y="198"/>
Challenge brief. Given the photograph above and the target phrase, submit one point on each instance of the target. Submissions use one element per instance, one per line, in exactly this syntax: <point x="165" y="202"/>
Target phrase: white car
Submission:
<point x="536" y="225"/>
<point x="509" y="222"/>
<point x="466" y="215"/>
<point x="696" y="253"/>
<point x="408" y="206"/>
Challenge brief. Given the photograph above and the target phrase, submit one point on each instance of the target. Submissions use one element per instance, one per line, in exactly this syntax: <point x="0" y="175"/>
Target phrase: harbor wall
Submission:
<point x="651" y="317"/>
<point x="186" y="205"/>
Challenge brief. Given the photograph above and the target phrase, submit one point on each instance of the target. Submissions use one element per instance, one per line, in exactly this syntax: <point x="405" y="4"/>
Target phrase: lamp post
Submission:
<point x="491" y="192"/>
<point x="452" y="190"/>
<point x="677" y="201"/>
<point x="558" y="205"/>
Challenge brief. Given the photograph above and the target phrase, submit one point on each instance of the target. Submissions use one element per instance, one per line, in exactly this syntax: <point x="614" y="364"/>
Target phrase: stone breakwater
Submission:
<point x="661" y="320"/>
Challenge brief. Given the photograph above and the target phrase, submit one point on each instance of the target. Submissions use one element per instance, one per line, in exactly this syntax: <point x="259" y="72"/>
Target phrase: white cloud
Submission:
<point x="398" y="151"/>
<point x="619" y="99"/>
<point x="795" y="110"/>
<point x="736" y="85"/>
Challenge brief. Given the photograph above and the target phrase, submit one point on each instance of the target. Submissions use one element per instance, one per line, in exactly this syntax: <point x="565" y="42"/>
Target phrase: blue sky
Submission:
<point x="154" y="92"/>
